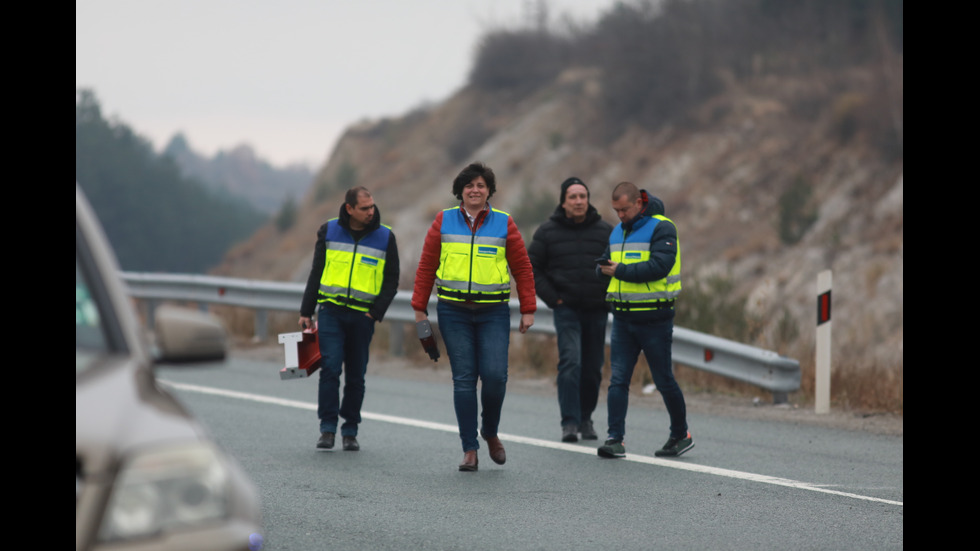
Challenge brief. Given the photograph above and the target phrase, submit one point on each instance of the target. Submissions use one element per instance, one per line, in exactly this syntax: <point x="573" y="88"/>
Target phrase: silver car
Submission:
<point x="147" y="476"/>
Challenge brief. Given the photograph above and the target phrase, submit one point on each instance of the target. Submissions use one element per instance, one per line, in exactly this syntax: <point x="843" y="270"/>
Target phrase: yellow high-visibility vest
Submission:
<point x="632" y="247"/>
<point x="473" y="265"/>
<point x="354" y="270"/>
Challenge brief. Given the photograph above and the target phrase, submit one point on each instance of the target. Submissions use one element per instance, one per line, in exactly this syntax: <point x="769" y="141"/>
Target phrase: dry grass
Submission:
<point x="240" y="322"/>
<point x="869" y="389"/>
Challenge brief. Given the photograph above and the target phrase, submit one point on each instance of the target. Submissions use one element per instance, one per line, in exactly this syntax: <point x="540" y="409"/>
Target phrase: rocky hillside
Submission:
<point x="770" y="182"/>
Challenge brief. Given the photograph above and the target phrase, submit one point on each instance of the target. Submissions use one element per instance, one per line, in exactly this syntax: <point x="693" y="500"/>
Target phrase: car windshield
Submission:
<point x="90" y="340"/>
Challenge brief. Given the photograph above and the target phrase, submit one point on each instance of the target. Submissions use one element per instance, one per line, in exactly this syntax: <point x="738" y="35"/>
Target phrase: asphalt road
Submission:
<point x="747" y="484"/>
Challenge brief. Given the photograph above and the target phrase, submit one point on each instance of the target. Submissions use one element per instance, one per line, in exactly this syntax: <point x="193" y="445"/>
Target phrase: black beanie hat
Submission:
<point x="570" y="182"/>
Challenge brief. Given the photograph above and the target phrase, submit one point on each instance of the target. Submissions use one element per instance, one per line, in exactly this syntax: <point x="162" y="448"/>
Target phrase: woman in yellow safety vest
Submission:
<point x="467" y="254"/>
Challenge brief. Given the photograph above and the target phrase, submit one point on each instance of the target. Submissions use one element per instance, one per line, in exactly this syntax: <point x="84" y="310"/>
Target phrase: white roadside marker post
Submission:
<point x="824" y="284"/>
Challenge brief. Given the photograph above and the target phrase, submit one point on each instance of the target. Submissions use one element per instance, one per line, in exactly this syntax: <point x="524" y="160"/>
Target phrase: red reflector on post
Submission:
<point x="823" y="308"/>
<point x="708" y="355"/>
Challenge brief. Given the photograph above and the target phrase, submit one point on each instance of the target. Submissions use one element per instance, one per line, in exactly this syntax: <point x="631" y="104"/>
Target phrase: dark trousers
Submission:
<point x="345" y="339"/>
<point x="654" y="339"/>
<point x="581" y="354"/>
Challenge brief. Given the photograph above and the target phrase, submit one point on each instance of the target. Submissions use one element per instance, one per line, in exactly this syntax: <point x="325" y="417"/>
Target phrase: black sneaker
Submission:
<point x="325" y="442"/>
<point x="612" y="449"/>
<point x="569" y="433"/>
<point x="675" y="446"/>
<point x="587" y="430"/>
<point x="350" y="444"/>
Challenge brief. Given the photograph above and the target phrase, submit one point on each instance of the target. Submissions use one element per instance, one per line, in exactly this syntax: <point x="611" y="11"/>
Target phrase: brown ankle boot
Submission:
<point x="470" y="462"/>
<point x="496" y="448"/>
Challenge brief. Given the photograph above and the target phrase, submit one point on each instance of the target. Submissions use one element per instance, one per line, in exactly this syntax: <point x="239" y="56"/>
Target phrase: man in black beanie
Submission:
<point x="563" y="253"/>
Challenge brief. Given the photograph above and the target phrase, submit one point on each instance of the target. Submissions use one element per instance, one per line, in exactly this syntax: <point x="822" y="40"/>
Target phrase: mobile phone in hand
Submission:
<point x="602" y="261"/>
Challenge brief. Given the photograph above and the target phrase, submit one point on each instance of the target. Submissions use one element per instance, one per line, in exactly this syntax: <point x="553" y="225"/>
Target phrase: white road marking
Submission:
<point x="669" y="463"/>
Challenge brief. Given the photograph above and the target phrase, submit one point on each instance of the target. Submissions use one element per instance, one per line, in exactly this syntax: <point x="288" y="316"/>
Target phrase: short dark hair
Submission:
<point x="469" y="174"/>
<point x="628" y="189"/>
<point x="354" y="193"/>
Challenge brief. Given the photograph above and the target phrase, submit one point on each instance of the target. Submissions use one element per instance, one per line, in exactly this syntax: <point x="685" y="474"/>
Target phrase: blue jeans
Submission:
<point x="654" y="339"/>
<point x="477" y="341"/>
<point x="581" y="353"/>
<point x="344" y="337"/>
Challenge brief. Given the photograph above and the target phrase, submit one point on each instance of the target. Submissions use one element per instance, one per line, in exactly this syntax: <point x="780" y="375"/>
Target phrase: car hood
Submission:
<point x="120" y="407"/>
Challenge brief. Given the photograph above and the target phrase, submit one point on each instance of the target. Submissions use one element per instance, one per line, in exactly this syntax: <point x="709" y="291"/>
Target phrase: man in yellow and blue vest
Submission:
<point x="354" y="278"/>
<point x="643" y="264"/>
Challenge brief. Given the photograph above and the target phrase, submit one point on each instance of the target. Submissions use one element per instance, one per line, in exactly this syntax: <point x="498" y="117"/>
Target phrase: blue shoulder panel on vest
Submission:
<point x="377" y="239"/>
<point x="642" y="231"/>
<point x="494" y="224"/>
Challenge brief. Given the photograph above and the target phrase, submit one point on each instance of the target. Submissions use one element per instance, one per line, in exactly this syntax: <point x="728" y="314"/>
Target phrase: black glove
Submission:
<point x="424" y="329"/>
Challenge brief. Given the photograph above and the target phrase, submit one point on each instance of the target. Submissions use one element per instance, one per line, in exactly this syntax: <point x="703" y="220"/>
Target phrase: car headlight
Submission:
<point x="166" y="488"/>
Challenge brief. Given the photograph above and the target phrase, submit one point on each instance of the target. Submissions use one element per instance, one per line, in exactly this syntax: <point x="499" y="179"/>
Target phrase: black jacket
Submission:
<point x="389" y="287"/>
<point x="563" y="255"/>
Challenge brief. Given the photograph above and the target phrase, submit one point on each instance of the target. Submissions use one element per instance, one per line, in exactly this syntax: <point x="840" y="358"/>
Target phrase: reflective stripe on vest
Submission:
<point x="635" y="247"/>
<point x="354" y="270"/>
<point x="473" y="265"/>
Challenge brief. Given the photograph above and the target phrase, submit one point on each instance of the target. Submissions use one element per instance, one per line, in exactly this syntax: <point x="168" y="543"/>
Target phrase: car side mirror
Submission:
<point x="184" y="335"/>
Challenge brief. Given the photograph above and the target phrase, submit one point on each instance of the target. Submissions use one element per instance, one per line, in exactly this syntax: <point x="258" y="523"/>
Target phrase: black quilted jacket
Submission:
<point x="563" y="255"/>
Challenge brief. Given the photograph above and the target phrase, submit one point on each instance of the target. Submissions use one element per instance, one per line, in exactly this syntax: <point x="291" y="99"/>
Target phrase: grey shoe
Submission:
<point x="612" y="449"/>
<point x="588" y="432"/>
<point x="325" y="442"/>
<point x="350" y="444"/>
<point x="675" y="446"/>
<point x="569" y="433"/>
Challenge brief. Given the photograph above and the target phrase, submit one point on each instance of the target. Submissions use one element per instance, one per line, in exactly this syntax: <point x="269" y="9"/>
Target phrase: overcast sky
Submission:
<point x="284" y="76"/>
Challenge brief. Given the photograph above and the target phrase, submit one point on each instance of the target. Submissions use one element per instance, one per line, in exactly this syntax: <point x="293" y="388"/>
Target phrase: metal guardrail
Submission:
<point x="763" y="368"/>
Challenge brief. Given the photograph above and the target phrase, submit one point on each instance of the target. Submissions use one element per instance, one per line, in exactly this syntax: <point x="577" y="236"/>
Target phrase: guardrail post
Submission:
<point x="261" y="324"/>
<point x="151" y="311"/>
<point x="396" y="338"/>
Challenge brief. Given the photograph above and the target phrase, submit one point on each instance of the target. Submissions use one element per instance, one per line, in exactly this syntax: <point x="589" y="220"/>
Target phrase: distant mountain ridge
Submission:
<point x="242" y="173"/>
<point x="156" y="217"/>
